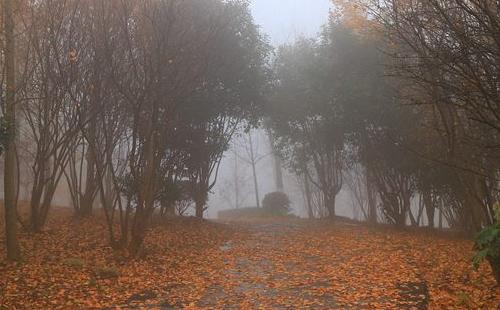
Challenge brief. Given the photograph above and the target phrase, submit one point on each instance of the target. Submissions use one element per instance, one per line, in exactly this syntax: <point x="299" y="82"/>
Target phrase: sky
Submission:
<point x="285" y="20"/>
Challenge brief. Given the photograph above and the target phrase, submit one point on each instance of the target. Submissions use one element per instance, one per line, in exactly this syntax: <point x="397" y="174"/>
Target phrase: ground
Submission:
<point x="286" y="264"/>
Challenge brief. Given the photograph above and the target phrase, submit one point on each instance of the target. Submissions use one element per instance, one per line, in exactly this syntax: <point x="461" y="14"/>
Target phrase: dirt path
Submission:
<point x="272" y="265"/>
<point x="260" y="274"/>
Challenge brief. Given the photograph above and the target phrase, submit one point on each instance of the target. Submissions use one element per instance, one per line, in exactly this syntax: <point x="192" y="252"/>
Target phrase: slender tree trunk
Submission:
<point x="372" y="203"/>
<point x="236" y="183"/>
<point x="254" y="171"/>
<point x="429" y="208"/>
<point x="401" y="215"/>
<point x="12" y="244"/>
<point x="200" y="206"/>
<point x="280" y="186"/>
<point x="169" y="209"/>
<point x="200" y="202"/>
<point x="440" y="217"/>
<point x="413" y="220"/>
<point x="35" y="210"/>
<point x="138" y="233"/>
<point x="278" y="173"/>
<point x="88" y="197"/>
<point x="307" y="191"/>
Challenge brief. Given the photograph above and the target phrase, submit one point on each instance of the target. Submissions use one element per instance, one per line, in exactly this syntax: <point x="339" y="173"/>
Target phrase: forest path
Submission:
<point x="315" y="265"/>
<point x="263" y="270"/>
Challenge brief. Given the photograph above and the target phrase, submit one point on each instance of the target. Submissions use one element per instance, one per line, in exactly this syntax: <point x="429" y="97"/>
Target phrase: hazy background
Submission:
<point x="285" y="20"/>
<point x="282" y="21"/>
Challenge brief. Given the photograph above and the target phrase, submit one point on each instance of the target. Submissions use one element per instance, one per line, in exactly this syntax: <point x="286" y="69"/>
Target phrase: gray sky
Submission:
<point x="285" y="20"/>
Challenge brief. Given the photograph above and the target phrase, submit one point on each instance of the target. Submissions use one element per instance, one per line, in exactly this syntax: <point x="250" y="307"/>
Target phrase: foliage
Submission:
<point x="487" y="246"/>
<point x="304" y="116"/>
<point x="277" y="203"/>
<point x="273" y="260"/>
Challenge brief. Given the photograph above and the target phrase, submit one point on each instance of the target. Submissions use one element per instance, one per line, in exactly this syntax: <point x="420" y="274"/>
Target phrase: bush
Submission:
<point x="276" y="203"/>
<point x="487" y="246"/>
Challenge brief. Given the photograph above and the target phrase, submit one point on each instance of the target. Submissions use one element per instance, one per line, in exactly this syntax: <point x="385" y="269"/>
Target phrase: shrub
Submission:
<point x="487" y="246"/>
<point x="276" y="203"/>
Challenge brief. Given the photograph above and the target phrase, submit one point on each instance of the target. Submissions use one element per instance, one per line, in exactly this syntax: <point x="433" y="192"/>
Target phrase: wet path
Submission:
<point x="292" y="265"/>
<point x="260" y="273"/>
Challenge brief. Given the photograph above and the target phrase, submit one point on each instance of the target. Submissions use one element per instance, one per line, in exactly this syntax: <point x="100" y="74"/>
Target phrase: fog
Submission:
<point x="283" y="21"/>
<point x="249" y="154"/>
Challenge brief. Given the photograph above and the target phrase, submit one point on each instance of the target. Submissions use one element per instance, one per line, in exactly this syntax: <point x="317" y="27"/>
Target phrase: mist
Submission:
<point x="285" y="21"/>
<point x="234" y="154"/>
<point x="282" y="22"/>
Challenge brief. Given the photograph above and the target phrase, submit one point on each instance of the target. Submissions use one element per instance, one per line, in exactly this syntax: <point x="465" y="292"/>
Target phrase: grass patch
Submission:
<point x="250" y="213"/>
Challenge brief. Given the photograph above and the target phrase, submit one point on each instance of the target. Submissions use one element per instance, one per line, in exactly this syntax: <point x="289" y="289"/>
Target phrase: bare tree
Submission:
<point x="252" y="157"/>
<point x="13" y="248"/>
<point x="50" y="111"/>
<point x="232" y="191"/>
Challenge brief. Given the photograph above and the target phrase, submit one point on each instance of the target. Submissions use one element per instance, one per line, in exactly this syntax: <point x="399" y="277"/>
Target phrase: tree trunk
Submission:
<point x="440" y="219"/>
<point x="429" y="208"/>
<point x="12" y="244"/>
<point x="200" y="203"/>
<point x="88" y="197"/>
<point x="168" y="209"/>
<point x="137" y="238"/>
<point x="254" y="171"/>
<point x="280" y="187"/>
<point x="401" y="219"/>
<point x="330" y="205"/>
<point x="307" y="191"/>
<point x="372" y="203"/>
<point x="278" y="173"/>
<point x="138" y="232"/>
<point x="236" y="182"/>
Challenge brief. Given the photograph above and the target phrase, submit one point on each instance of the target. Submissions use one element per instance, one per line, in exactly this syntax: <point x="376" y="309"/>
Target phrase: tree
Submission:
<point x="446" y="51"/>
<point x="51" y="106"/>
<point x="152" y="81"/>
<point x="306" y="120"/>
<point x="232" y="188"/>
<point x="252" y="157"/>
<point x="161" y="125"/>
<point x="230" y="96"/>
<point x="12" y="244"/>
